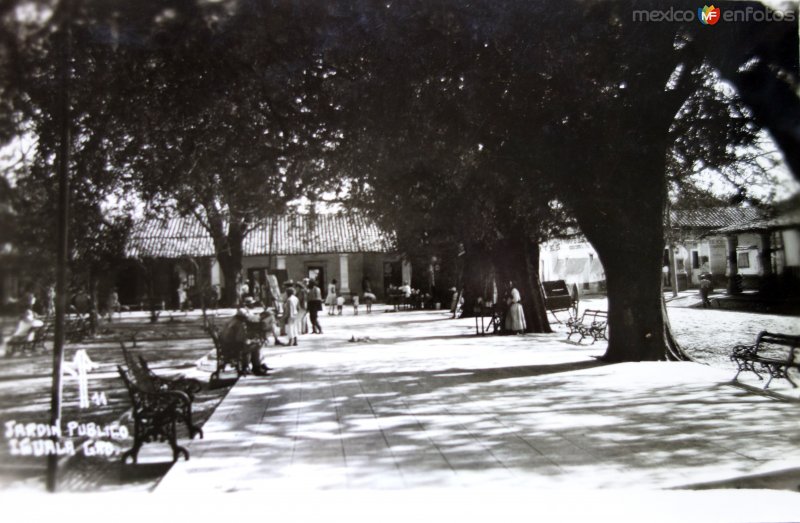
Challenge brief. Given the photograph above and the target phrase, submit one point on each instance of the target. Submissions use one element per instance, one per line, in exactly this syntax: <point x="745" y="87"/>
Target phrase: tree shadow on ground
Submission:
<point x="457" y="376"/>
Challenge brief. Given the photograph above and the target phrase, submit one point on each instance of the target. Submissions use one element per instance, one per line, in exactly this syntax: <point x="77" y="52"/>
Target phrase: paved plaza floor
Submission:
<point x="418" y="401"/>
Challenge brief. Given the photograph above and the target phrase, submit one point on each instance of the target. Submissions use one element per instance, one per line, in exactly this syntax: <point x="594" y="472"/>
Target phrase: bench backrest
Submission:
<point x="594" y="315"/>
<point x="137" y="400"/>
<point x="771" y="344"/>
<point x="137" y="373"/>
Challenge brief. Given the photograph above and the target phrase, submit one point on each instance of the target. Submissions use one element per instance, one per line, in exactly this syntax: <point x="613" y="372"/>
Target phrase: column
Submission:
<point x="216" y="273"/>
<point x="732" y="241"/>
<point x="766" y="254"/>
<point x="344" y="274"/>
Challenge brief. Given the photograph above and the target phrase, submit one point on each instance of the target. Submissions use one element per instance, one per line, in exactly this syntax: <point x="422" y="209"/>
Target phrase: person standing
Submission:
<point x="291" y="311"/>
<point x="182" y="296"/>
<point x="314" y="306"/>
<point x="302" y="298"/>
<point x="705" y="289"/>
<point x="515" y="318"/>
<point x="330" y="299"/>
<point x="369" y="299"/>
<point x="113" y="305"/>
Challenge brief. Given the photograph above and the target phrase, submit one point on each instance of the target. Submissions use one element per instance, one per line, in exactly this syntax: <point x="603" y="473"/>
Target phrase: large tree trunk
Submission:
<point x="474" y="279"/>
<point x="229" y="249"/>
<point x="625" y="225"/>
<point x="633" y="277"/>
<point x="231" y="266"/>
<point x="517" y="261"/>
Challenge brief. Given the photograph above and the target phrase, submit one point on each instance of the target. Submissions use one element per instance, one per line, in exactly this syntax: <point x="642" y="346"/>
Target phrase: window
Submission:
<point x="743" y="260"/>
<point x="695" y="260"/>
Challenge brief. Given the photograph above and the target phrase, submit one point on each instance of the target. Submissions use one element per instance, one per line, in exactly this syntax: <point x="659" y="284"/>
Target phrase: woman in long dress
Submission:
<point x="291" y="312"/>
<point x="330" y="299"/>
<point x="515" y="318"/>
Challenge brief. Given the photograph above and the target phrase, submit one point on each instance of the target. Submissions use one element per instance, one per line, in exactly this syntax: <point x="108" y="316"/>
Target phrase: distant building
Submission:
<point x="574" y="260"/>
<point x="777" y="250"/>
<point x="698" y="241"/>
<point x="697" y="248"/>
<point x="348" y="248"/>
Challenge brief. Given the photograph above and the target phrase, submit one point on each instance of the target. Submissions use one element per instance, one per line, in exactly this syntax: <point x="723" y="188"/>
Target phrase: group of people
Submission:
<point x="290" y="316"/>
<point x="248" y="331"/>
<point x="335" y="301"/>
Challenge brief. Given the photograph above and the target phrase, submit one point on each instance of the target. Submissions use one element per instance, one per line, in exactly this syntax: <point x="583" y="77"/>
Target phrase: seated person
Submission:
<point x="26" y="329"/>
<point x="26" y="326"/>
<point x="236" y="343"/>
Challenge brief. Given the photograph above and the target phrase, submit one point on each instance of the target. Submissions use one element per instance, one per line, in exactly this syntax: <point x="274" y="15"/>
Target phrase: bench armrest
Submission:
<point x="746" y="351"/>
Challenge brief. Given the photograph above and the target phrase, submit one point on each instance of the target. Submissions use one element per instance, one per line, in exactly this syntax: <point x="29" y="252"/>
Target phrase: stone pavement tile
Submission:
<point x="428" y="406"/>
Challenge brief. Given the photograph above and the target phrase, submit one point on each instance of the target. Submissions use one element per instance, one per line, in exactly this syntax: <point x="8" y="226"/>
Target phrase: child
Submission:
<point x="368" y="299"/>
<point x="339" y="304"/>
<point x="355" y="305"/>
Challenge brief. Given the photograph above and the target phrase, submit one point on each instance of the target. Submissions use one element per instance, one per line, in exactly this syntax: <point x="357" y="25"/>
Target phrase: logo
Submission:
<point x="708" y="15"/>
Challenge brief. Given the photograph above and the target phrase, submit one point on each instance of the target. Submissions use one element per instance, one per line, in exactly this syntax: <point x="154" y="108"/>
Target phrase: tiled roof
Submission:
<point x="714" y="217"/>
<point x="298" y="234"/>
<point x="789" y="220"/>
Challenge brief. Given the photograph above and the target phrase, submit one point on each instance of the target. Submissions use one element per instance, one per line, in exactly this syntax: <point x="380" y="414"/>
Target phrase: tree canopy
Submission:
<point x="480" y="123"/>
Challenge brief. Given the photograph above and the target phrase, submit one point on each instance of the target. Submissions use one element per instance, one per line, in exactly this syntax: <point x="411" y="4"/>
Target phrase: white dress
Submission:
<point x="292" y="306"/>
<point x="515" y="320"/>
<point x="330" y="299"/>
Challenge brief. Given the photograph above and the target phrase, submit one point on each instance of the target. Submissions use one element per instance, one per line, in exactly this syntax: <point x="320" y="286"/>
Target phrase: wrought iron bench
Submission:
<point x="190" y="386"/>
<point x="774" y="354"/>
<point x="156" y="414"/>
<point x="592" y="323"/>
<point x="149" y="381"/>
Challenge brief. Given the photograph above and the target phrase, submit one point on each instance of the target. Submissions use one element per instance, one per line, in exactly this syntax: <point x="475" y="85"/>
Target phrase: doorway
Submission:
<point x="316" y="272"/>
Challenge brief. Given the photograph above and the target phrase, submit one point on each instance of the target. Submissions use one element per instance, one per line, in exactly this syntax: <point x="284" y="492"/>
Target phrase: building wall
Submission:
<point x="791" y="247"/>
<point x="574" y="261"/>
<point x="358" y="265"/>
<point x="372" y="264"/>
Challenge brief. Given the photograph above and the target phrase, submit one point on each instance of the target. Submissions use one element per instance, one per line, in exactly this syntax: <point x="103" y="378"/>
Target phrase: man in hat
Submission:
<point x="235" y="341"/>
